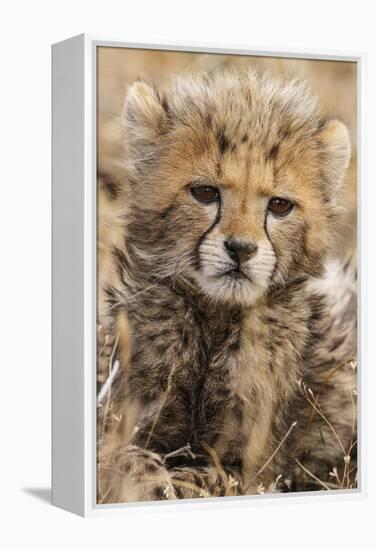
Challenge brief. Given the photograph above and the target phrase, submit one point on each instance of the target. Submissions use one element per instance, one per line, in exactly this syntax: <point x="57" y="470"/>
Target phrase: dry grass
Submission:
<point x="339" y="476"/>
<point x="344" y="475"/>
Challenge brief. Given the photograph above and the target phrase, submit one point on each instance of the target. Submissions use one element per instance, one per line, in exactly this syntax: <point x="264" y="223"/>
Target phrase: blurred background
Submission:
<point x="334" y="82"/>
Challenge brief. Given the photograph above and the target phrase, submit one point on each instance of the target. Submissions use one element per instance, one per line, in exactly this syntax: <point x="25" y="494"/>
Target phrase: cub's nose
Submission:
<point x="240" y="251"/>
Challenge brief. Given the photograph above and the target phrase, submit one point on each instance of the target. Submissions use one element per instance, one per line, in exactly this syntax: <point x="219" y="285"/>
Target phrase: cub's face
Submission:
<point x="231" y="182"/>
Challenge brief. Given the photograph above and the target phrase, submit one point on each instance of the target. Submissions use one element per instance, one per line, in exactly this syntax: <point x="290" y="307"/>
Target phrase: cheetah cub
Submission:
<point x="239" y="377"/>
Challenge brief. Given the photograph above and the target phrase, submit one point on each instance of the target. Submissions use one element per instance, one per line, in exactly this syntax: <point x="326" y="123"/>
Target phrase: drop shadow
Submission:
<point x="41" y="493"/>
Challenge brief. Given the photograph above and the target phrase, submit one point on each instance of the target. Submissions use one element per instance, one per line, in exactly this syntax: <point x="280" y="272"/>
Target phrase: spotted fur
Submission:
<point x="223" y="358"/>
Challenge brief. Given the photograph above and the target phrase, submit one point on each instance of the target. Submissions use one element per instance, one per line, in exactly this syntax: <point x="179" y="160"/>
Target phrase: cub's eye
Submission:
<point x="280" y="207"/>
<point x="205" y="193"/>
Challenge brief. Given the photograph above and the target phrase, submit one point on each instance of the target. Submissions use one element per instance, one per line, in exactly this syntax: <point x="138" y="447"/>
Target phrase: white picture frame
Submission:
<point x="74" y="275"/>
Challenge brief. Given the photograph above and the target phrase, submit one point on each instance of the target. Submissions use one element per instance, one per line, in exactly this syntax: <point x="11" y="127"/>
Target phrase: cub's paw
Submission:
<point x="190" y="482"/>
<point x="201" y="482"/>
<point x="144" y="476"/>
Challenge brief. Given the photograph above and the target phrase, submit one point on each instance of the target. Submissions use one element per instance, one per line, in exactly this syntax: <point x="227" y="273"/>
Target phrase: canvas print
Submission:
<point x="226" y="273"/>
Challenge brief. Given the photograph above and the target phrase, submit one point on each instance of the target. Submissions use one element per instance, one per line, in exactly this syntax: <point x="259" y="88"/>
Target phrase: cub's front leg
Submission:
<point x="138" y="475"/>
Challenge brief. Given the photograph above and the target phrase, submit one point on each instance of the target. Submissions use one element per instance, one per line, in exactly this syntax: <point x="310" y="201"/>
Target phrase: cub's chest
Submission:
<point x="272" y="345"/>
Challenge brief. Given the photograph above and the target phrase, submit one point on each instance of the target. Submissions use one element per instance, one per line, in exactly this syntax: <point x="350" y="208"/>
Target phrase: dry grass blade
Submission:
<point x="219" y="467"/>
<point x="272" y="455"/>
<point x="108" y="400"/>
<point x="175" y="482"/>
<point x="108" y="383"/>
<point x="344" y="481"/>
<point x="312" y="475"/>
<point x="186" y="449"/>
<point x="306" y="392"/>
<point x="192" y="486"/>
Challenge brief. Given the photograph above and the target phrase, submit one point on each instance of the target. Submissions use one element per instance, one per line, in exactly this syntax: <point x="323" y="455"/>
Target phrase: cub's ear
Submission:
<point x="335" y="154"/>
<point x="144" y="113"/>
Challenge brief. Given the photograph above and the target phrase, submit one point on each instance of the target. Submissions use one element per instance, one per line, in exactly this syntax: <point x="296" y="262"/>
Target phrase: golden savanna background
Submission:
<point x="333" y="82"/>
